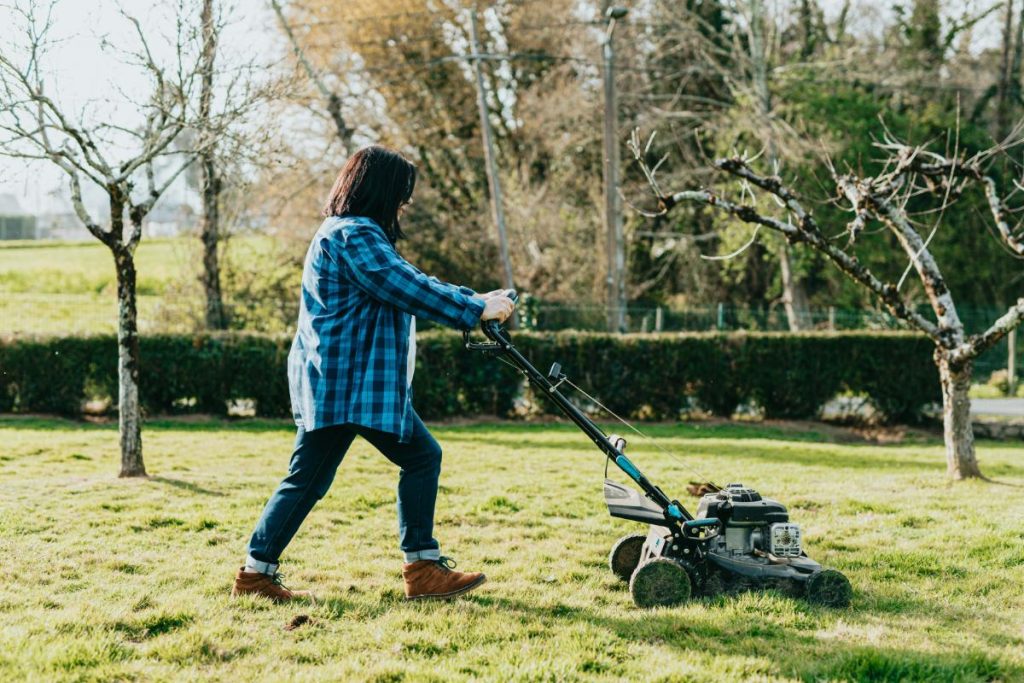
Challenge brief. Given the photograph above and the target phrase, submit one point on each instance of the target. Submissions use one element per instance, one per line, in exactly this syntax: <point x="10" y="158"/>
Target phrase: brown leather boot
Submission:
<point x="425" y="579"/>
<point x="255" y="583"/>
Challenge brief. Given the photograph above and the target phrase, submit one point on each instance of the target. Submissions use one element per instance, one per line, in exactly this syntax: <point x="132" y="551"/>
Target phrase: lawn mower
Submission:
<point x="736" y="541"/>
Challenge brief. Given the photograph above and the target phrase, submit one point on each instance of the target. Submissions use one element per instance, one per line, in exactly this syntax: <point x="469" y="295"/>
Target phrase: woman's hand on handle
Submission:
<point x="498" y="307"/>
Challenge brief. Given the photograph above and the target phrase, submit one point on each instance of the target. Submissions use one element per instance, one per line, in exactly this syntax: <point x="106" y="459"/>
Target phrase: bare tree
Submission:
<point x="116" y="158"/>
<point x="909" y="172"/>
<point x="331" y="97"/>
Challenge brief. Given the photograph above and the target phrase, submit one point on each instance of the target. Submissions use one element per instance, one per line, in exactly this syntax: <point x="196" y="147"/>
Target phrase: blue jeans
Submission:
<point x="314" y="461"/>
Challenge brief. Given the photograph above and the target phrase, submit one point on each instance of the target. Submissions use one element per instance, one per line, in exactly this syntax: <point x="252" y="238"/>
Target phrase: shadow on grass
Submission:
<point x="185" y="423"/>
<point x="186" y="485"/>
<point x="850" y="457"/>
<point x="792" y="652"/>
<point x="678" y="430"/>
<point x="809" y="432"/>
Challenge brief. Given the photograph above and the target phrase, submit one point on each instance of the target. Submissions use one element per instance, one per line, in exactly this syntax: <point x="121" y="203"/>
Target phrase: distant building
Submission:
<point x="62" y="225"/>
<point x="169" y="220"/>
<point x="15" y="223"/>
<point x="58" y="220"/>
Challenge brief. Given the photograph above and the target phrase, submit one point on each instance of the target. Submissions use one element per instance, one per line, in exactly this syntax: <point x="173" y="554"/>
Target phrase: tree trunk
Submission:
<point x="210" y="184"/>
<point x="794" y="298"/>
<point x="210" y="234"/>
<point x="961" y="462"/>
<point x="129" y="415"/>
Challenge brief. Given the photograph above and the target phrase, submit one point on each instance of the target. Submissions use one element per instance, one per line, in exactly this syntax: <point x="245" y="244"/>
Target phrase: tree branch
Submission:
<point x="866" y="200"/>
<point x="886" y="292"/>
<point x="805" y="229"/>
<point x="999" y="213"/>
<point x="979" y="343"/>
<point x="332" y="98"/>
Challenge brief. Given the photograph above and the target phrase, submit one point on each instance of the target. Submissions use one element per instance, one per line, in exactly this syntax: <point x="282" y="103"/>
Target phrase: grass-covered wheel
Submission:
<point x="829" y="588"/>
<point x="625" y="555"/>
<point x="661" y="582"/>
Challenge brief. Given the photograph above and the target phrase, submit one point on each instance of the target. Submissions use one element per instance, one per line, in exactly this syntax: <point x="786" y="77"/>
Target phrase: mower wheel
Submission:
<point x="661" y="582"/>
<point x="829" y="588"/>
<point x="625" y="555"/>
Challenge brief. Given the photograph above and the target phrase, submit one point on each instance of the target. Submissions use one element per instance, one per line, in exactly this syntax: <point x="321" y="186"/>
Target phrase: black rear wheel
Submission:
<point x="625" y="555"/>
<point x="662" y="582"/>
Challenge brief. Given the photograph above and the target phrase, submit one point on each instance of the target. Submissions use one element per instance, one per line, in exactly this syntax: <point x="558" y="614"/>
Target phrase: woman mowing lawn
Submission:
<point x="350" y="369"/>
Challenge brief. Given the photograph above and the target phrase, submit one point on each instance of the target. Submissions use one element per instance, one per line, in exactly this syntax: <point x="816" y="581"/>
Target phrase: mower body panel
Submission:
<point x="627" y="503"/>
<point x="757" y="567"/>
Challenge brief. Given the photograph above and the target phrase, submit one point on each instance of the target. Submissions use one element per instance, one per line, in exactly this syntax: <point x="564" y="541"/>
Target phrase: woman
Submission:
<point x="350" y="369"/>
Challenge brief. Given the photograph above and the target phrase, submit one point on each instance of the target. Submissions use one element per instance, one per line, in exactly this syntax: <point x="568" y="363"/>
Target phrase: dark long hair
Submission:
<point x="375" y="182"/>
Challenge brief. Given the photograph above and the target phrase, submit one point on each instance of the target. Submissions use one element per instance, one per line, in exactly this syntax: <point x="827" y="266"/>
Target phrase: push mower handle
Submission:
<point x="493" y="330"/>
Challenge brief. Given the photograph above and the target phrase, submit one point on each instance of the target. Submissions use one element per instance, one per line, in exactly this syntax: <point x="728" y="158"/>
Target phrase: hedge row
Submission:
<point x="654" y="376"/>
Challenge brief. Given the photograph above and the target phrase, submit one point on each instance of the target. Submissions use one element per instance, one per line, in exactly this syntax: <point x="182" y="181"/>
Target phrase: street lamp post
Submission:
<point x="616" y="277"/>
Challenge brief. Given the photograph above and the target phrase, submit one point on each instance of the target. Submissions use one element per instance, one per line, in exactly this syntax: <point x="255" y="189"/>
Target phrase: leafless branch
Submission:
<point x="802" y="230"/>
<point x="332" y="99"/>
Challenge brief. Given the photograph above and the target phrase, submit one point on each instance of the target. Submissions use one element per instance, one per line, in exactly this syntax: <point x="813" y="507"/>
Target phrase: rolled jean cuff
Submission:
<point x="254" y="565"/>
<point x="417" y="555"/>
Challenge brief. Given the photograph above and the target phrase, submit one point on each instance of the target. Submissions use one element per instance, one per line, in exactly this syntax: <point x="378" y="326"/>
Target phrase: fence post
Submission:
<point x="1011" y="362"/>
<point x="832" y="318"/>
<point x="721" y="316"/>
<point x="658" y="319"/>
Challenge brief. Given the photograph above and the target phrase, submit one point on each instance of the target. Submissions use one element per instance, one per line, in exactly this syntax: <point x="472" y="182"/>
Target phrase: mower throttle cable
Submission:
<point x="653" y="441"/>
<point x="616" y="416"/>
<point x="566" y="380"/>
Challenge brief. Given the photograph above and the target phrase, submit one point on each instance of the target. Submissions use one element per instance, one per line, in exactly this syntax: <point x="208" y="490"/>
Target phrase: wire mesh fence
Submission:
<point x="716" y="317"/>
<point x="76" y="314"/>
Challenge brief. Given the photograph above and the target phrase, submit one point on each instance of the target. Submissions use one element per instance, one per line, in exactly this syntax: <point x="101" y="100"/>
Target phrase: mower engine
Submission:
<point x="751" y="523"/>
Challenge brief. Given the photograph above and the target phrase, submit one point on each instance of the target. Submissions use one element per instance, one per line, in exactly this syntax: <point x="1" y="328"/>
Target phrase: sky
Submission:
<point x="87" y="63"/>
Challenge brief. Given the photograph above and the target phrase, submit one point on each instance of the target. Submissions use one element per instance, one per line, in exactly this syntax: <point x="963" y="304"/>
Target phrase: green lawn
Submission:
<point x="88" y="267"/>
<point x="107" y="579"/>
<point x="71" y="287"/>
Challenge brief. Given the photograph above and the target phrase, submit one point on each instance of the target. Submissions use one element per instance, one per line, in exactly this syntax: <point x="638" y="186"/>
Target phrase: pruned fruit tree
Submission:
<point x="880" y="201"/>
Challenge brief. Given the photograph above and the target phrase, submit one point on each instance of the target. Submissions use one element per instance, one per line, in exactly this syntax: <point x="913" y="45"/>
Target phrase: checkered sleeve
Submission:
<point x="379" y="270"/>
<point x="459" y="288"/>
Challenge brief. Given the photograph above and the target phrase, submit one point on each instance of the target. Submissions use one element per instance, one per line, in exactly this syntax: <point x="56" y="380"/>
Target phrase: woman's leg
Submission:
<point x="420" y="460"/>
<point x="314" y="461"/>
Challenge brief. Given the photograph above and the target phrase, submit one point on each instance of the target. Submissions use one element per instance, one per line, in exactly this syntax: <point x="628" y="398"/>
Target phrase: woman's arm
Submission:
<point x="459" y="288"/>
<point x="379" y="270"/>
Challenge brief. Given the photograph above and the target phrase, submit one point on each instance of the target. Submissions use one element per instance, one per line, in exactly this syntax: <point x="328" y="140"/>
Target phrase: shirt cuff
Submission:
<point x="471" y="313"/>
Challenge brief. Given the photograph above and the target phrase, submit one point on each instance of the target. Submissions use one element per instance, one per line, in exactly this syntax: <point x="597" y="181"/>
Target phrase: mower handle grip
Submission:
<point x="493" y="330"/>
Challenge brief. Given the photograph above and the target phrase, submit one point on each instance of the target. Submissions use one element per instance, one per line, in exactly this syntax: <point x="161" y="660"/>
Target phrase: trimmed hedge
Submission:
<point x="645" y="376"/>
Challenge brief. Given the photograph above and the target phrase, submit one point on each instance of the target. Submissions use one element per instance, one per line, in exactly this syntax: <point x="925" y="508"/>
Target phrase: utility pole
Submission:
<point x="1011" y="363"/>
<point x="616" y="277"/>
<point x="794" y="295"/>
<point x="493" y="182"/>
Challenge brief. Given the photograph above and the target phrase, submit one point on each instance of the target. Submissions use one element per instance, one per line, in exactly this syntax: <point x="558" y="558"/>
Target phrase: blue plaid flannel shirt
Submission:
<point x="347" y="363"/>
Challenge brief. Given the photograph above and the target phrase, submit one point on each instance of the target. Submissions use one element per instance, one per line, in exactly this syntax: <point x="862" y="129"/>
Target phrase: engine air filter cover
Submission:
<point x="784" y="540"/>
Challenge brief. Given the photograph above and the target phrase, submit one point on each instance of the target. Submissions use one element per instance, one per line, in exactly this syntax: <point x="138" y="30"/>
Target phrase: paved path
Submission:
<point x="1011" y="407"/>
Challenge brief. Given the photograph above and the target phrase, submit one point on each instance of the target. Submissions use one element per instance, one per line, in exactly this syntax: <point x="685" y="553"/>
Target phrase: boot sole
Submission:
<point x="445" y="596"/>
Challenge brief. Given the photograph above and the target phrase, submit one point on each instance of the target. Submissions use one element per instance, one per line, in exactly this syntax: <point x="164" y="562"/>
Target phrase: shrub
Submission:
<point x="645" y="376"/>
